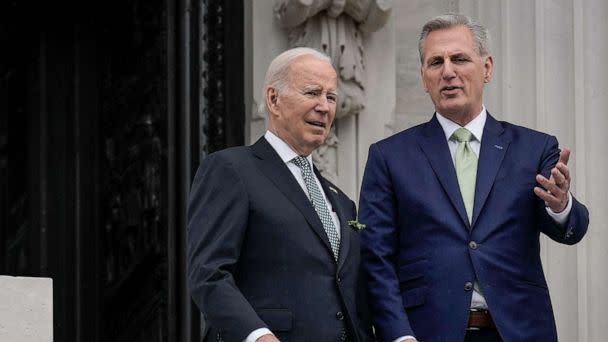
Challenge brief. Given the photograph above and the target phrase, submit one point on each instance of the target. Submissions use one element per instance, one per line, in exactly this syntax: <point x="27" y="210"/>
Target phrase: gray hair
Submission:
<point x="480" y="33"/>
<point x="278" y="71"/>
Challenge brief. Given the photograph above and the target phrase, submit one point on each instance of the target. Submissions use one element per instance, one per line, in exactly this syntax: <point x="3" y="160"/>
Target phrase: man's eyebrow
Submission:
<point x="315" y="87"/>
<point x="432" y="58"/>
<point x="311" y="87"/>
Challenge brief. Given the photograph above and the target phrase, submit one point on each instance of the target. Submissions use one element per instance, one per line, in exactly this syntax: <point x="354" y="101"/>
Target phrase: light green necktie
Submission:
<point x="466" y="171"/>
<point x="466" y="168"/>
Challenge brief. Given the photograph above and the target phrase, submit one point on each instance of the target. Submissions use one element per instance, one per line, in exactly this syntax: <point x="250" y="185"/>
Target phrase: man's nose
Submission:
<point x="448" y="70"/>
<point x="322" y="104"/>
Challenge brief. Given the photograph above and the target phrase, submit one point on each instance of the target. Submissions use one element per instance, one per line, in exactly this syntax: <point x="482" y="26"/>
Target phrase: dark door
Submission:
<point x="106" y="110"/>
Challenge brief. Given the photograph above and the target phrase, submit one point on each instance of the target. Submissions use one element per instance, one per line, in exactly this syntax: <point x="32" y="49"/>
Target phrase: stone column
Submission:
<point x="591" y="125"/>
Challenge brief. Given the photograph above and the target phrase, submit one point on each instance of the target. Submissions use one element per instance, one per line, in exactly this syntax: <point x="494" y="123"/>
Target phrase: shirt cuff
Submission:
<point x="257" y="333"/>
<point x="404" y="338"/>
<point x="562" y="217"/>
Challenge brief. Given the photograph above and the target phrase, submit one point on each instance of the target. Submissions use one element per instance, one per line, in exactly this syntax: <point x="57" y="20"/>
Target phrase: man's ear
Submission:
<point x="489" y="69"/>
<point x="272" y="98"/>
<point x="426" y="89"/>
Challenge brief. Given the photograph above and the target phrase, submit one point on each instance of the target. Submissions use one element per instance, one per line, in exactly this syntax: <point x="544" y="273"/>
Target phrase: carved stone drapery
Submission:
<point x="335" y="27"/>
<point x="324" y="157"/>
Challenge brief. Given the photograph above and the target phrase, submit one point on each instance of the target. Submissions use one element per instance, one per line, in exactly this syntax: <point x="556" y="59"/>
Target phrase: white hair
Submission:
<point x="277" y="75"/>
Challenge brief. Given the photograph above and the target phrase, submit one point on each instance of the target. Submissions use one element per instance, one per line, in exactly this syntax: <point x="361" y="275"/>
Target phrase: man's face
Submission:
<point x="454" y="73"/>
<point x="302" y="114"/>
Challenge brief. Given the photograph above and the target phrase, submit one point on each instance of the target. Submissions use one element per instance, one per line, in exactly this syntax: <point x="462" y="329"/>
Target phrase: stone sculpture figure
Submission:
<point x="335" y="27"/>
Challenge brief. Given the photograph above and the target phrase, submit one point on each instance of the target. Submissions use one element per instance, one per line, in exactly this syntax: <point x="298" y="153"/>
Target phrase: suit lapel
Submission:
<point x="332" y="196"/>
<point x="493" y="149"/>
<point x="435" y="147"/>
<point x="275" y="169"/>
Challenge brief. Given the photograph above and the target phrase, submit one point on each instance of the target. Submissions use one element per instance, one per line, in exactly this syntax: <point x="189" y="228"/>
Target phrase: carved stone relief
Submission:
<point x="324" y="157"/>
<point x="335" y="27"/>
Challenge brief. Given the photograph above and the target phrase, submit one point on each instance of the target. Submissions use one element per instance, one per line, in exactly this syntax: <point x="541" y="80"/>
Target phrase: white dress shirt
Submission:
<point x="476" y="128"/>
<point x="287" y="154"/>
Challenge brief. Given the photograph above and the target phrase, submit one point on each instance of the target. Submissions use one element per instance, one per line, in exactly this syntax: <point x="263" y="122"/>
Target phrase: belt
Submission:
<point x="480" y="319"/>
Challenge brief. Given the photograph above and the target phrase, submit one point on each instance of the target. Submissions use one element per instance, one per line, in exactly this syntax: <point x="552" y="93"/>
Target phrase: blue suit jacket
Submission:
<point x="258" y="255"/>
<point x="417" y="252"/>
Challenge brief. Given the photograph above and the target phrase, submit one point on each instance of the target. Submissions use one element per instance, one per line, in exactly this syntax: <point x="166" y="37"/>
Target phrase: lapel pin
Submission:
<point x="333" y="189"/>
<point x="498" y="147"/>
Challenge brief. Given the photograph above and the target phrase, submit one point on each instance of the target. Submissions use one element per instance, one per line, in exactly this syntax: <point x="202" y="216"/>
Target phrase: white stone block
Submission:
<point x="26" y="309"/>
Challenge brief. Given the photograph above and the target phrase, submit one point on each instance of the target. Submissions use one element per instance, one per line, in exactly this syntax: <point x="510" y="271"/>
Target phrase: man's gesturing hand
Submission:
<point x="557" y="187"/>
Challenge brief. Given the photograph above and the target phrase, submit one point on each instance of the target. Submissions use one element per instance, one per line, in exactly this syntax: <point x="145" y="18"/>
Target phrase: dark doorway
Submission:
<point x="106" y="110"/>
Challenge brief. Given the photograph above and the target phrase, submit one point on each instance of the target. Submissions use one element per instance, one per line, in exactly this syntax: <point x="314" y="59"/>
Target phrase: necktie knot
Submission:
<point x="301" y="162"/>
<point x="462" y="135"/>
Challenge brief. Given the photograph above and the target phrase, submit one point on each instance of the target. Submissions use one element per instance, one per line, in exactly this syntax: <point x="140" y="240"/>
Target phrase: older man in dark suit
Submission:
<point x="271" y="255"/>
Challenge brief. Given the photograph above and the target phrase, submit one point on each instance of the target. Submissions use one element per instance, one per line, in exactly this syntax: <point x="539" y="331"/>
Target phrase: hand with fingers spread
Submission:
<point x="555" y="190"/>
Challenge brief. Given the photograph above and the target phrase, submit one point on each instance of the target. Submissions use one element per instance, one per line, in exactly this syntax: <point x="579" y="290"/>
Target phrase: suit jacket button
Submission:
<point x="339" y="315"/>
<point x="338" y="280"/>
<point x="468" y="286"/>
<point x="473" y="245"/>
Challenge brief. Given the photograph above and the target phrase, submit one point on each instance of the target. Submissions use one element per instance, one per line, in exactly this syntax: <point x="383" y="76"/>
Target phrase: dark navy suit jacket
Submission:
<point x="420" y="254"/>
<point x="258" y="255"/>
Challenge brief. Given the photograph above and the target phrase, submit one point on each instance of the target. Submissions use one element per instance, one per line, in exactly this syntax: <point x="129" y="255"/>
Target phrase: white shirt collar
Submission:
<point x="475" y="126"/>
<point x="284" y="151"/>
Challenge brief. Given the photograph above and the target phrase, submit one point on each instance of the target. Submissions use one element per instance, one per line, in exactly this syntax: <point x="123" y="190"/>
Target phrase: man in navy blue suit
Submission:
<point x="271" y="254"/>
<point x="454" y="208"/>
